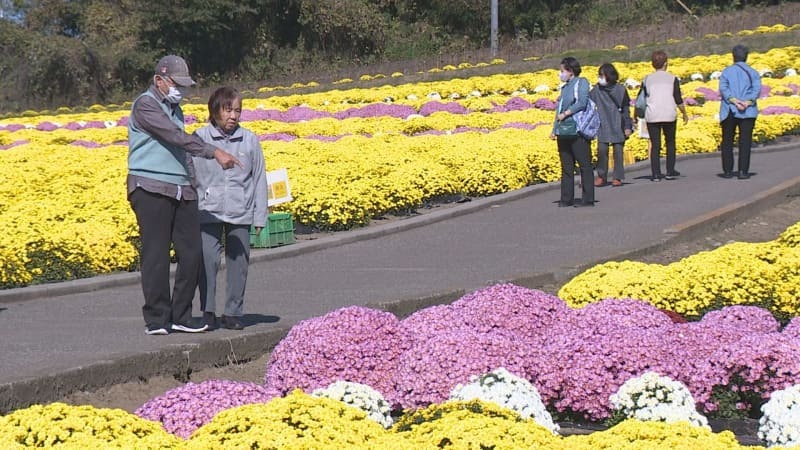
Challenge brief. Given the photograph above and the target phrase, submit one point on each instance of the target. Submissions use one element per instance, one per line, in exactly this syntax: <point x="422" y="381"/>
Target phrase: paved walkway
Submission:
<point x="63" y="337"/>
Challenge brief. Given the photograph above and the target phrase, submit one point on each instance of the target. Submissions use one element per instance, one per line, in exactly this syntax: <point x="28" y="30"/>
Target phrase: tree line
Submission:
<point x="79" y="52"/>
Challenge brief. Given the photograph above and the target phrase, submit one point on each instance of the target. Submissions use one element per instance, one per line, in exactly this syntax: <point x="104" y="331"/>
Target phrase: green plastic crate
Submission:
<point x="279" y="231"/>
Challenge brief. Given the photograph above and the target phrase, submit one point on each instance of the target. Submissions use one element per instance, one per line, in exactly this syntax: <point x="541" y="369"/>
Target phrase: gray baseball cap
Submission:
<point x="175" y="67"/>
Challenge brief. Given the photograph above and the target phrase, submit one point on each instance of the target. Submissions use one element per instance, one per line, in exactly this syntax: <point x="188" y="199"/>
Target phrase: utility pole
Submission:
<point x="493" y="38"/>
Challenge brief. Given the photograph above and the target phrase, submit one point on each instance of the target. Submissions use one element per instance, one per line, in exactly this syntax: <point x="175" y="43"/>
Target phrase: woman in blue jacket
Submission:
<point x="572" y="147"/>
<point x="229" y="201"/>
<point x="739" y="86"/>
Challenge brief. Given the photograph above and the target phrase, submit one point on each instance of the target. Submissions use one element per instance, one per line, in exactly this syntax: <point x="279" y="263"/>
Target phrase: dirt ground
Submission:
<point x="764" y="226"/>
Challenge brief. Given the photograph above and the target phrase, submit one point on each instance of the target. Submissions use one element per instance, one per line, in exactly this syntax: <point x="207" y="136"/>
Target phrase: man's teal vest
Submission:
<point x="149" y="158"/>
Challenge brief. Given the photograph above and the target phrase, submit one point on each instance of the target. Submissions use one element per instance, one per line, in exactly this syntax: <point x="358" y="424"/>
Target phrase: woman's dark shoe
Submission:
<point x="727" y="174"/>
<point x="232" y="323"/>
<point x="210" y="319"/>
<point x="583" y="204"/>
<point x="565" y="204"/>
<point x="744" y="175"/>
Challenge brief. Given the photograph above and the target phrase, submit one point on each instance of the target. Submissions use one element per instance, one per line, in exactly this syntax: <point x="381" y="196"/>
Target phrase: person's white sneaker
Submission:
<point x="157" y="331"/>
<point x="189" y="328"/>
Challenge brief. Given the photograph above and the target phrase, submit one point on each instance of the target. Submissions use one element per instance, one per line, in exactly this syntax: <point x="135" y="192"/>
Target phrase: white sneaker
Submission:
<point x="157" y="331"/>
<point x="189" y="328"/>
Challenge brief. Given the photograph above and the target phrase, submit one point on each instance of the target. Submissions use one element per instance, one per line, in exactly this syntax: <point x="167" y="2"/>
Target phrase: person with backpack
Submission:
<point x="573" y="146"/>
<point x="739" y="86"/>
<point x="616" y="125"/>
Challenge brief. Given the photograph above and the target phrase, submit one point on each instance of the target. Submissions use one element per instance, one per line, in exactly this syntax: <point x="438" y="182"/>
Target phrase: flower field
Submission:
<point x="651" y="351"/>
<point x="352" y="154"/>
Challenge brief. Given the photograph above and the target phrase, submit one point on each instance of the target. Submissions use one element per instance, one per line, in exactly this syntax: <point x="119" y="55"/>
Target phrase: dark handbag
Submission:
<point x="640" y="108"/>
<point x="567" y="128"/>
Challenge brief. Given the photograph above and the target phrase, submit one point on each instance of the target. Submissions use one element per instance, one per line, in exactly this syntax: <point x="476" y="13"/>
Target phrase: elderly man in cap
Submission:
<point x="162" y="195"/>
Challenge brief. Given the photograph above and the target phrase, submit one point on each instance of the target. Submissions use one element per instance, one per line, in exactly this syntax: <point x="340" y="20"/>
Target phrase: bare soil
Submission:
<point x="764" y="226"/>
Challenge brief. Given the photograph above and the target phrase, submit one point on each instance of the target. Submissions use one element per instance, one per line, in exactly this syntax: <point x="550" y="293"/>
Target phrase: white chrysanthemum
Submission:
<point x="656" y="398"/>
<point x="475" y="93"/>
<point x="541" y="89"/>
<point x="790" y="72"/>
<point x="697" y="77"/>
<point x="412" y="97"/>
<point x="765" y="72"/>
<point x="359" y="396"/>
<point x="509" y="391"/>
<point x="780" y="420"/>
<point x="630" y="83"/>
<point x="434" y="96"/>
<point x="414" y="116"/>
<point x="715" y="75"/>
<point x="455" y="96"/>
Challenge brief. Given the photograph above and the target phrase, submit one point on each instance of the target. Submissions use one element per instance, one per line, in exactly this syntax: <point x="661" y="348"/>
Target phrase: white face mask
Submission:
<point x="602" y="81"/>
<point x="174" y="96"/>
<point x="563" y="76"/>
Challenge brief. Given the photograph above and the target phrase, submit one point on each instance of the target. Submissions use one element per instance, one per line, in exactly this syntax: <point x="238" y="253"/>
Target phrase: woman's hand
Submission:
<point x="562" y="115"/>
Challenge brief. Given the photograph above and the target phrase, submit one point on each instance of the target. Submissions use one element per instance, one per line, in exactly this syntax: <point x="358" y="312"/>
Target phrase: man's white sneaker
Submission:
<point x="189" y="328"/>
<point x="155" y="331"/>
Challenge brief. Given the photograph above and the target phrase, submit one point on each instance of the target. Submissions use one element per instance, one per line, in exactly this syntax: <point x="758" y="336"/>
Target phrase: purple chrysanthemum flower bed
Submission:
<point x="12" y="127"/>
<point x="451" y="107"/>
<point x="575" y="358"/>
<point x="283" y="137"/>
<point x="522" y="125"/>
<point x="355" y="344"/>
<point x="709" y="94"/>
<point x="87" y="144"/>
<point x="14" y="144"/>
<point x="545" y="104"/>
<point x="428" y="371"/>
<point x="772" y="110"/>
<point x="513" y="104"/>
<point x="377" y="110"/>
<point x="186" y="408"/>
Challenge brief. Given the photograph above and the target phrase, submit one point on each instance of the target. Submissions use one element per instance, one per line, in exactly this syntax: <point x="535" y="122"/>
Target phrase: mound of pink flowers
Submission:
<point x="186" y="408"/>
<point x="355" y="344"/>
<point x="575" y="358"/>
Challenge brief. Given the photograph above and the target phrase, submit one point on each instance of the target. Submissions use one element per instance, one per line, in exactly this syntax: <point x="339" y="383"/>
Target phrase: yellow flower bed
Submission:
<point x="58" y="425"/>
<point x="635" y="435"/>
<point x="760" y="274"/>
<point x="302" y="421"/>
<point x="69" y="214"/>
<point x="468" y="425"/>
<point x="297" y="421"/>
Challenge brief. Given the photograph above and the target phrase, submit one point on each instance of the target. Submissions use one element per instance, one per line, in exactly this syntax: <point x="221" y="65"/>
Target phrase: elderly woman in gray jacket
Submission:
<point x="230" y="201"/>
<point x="616" y="125"/>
